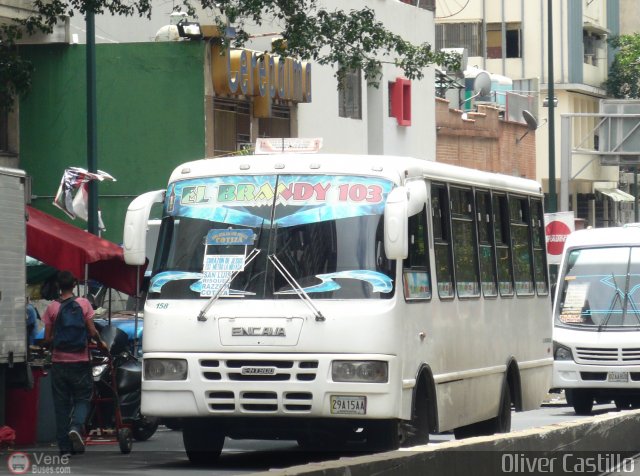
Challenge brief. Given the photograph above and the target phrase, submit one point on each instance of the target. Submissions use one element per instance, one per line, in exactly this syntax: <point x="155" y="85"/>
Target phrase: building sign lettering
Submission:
<point x="262" y="75"/>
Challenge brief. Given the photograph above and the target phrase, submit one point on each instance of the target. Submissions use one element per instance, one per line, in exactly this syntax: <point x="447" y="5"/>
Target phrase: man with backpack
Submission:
<point x="68" y="326"/>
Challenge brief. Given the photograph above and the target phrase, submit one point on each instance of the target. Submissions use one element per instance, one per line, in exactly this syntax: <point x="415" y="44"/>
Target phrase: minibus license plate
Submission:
<point x="618" y="377"/>
<point x="348" y="405"/>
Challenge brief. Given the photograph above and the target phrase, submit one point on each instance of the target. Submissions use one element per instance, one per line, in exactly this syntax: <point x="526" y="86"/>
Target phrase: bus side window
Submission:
<point x="416" y="273"/>
<point x="441" y="240"/>
<point x="503" y="250"/>
<point x="539" y="250"/>
<point x="465" y="248"/>
<point x="488" y="278"/>
<point x="521" y="244"/>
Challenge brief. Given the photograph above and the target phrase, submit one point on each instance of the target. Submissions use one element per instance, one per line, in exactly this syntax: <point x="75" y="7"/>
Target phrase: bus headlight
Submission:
<point x="561" y="352"/>
<point x="165" y="369"/>
<point x="370" y="371"/>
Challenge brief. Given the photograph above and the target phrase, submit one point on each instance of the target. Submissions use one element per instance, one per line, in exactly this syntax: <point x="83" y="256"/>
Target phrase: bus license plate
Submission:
<point x="618" y="377"/>
<point x="348" y="405"/>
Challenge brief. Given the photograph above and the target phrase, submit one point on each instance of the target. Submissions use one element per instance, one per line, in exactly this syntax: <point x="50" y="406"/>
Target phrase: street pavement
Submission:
<point x="164" y="454"/>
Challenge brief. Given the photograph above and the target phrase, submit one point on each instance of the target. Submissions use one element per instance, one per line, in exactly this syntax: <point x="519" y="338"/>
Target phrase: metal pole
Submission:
<point x="137" y="307"/>
<point x="635" y="195"/>
<point x="92" y="136"/>
<point x="565" y="162"/>
<point x="552" y="139"/>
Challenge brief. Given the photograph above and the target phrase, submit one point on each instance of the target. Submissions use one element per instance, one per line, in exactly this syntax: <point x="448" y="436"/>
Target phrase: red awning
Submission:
<point x="66" y="247"/>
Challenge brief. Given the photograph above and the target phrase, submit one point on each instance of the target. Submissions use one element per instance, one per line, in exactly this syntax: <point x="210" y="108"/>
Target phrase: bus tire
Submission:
<point x="624" y="403"/>
<point x="416" y="431"/>
<point x="382" y="435"/>
<point x="582" y="402"/>
<point x="502" y="422"/>
<point x="203" y="443"/>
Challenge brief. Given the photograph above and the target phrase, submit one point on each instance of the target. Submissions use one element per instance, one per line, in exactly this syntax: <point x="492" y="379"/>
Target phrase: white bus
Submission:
<point x="329" y="298"/>
<point x="597" y="319"/>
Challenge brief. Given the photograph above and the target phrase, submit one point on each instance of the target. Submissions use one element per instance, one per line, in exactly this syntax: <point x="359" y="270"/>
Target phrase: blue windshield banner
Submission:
<point x="299" y="199"/>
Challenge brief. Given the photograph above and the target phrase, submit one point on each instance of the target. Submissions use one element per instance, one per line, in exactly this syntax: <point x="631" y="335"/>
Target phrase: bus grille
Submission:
<point x="259" y="401"/>
<point x="608" y="355"/>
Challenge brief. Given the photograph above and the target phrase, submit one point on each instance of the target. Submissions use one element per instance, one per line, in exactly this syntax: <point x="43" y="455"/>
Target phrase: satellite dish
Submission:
<point x="482" y="84"/>
<point x="532" y="124"/>
<point x="449" y="8"/>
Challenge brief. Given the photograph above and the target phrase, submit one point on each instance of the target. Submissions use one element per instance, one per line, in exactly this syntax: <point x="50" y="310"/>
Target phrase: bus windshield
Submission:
<point x="325" y="230"/>
<point x="601" y="289"/>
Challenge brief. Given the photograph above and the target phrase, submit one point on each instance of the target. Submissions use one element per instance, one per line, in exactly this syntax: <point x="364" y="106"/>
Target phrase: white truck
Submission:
<point x="13" y="333"/>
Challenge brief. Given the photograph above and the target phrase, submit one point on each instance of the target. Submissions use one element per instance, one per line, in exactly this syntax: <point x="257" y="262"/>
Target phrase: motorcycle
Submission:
<point x="128" y="386"/>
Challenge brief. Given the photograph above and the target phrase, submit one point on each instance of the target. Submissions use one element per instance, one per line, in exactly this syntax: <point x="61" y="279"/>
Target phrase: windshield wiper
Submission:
<point x="296" y="286"/>
<point x="212" y="300"/>
<point x="615" y="299"/>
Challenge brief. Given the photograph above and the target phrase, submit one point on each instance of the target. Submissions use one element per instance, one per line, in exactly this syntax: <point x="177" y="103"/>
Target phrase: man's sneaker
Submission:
<point x="76" y="441"/>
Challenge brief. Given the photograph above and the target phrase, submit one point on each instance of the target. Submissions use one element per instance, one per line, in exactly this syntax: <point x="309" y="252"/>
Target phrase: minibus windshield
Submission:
<point x="601" y="288"/>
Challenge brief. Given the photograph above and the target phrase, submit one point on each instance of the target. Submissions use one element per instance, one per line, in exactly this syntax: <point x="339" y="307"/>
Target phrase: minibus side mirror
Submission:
<point x="136" y="225"/>
<point x="417" y="196"/>
<point x="396" y="225"/>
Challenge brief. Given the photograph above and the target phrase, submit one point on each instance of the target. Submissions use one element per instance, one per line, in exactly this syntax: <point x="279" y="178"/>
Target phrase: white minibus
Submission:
<point x="597" y="319"/>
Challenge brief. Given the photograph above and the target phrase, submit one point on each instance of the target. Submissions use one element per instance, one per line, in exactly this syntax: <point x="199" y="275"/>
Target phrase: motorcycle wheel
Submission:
<point x="125" y="441"/>
<point x="144" y="428"/>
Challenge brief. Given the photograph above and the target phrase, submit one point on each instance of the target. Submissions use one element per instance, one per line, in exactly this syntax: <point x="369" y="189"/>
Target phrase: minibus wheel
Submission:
<point x="203" y="442"/>
<point x="582" y="401"/>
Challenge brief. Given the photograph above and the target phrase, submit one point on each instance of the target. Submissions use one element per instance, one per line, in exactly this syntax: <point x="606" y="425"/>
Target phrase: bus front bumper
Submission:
<point x="301" y="386"/>
<point x="569" y="374"/>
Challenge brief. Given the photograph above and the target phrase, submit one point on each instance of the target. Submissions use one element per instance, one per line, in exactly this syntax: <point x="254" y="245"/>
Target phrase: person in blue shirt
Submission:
<point x="32" y="323"/>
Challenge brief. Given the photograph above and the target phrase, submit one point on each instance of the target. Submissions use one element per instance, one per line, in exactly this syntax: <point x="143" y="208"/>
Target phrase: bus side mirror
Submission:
<point x="135" y="227"/>
<point x="396" y="229"/>
<point x="417" y="197"/>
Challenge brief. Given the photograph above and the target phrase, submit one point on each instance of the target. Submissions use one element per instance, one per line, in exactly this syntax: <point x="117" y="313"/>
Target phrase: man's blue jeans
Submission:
<point x="72" y="386"/>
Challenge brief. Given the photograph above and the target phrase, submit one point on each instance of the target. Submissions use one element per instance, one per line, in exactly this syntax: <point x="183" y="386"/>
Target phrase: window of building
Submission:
<point x="503" y="250"/>
<point x="465" y="251"/>
<point x="488" y="277"/>
<point x="591" y="43"/>
<point x="278" y="125"/>
<point x="417" y="279"/>
<point x="513" y="40"/>
<point x="232" y="126"/>
<point x="350" y="95"/>
<point x="460" y="35"/>
<point x="521" y="245"/>
<point x="442" y="240"/>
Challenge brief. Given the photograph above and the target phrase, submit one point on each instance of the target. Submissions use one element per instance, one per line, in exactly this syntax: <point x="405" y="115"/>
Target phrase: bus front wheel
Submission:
<point x="582" y="401"/>
<point x="202" y="442"/>
<point x="382" y="435"/>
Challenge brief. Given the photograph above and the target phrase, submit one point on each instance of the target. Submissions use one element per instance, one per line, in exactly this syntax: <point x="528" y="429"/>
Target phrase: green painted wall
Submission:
<point x="150" y="119"/>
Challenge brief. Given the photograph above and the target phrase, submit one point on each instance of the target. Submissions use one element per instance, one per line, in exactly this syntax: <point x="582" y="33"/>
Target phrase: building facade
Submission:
<point x="160" y="104"/>
<point x="511" y="39"/>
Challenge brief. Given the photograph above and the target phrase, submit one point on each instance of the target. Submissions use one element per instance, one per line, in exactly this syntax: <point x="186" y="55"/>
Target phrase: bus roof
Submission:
<point x="394" y="168"/>
<point x="597" y="237"/>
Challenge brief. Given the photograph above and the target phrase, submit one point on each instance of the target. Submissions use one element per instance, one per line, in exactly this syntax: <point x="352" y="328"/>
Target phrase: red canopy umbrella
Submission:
<point x="66" y="247"/>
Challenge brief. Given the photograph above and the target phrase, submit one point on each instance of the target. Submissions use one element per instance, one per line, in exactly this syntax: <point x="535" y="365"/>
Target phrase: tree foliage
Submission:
<point x="348" y="40"/>
<point x="624" y="75"/>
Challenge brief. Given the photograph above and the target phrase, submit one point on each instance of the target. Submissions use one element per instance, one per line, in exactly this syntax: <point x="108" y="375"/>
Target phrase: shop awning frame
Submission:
<point x="66" y="247"/>
<point x="616" y="194"/>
